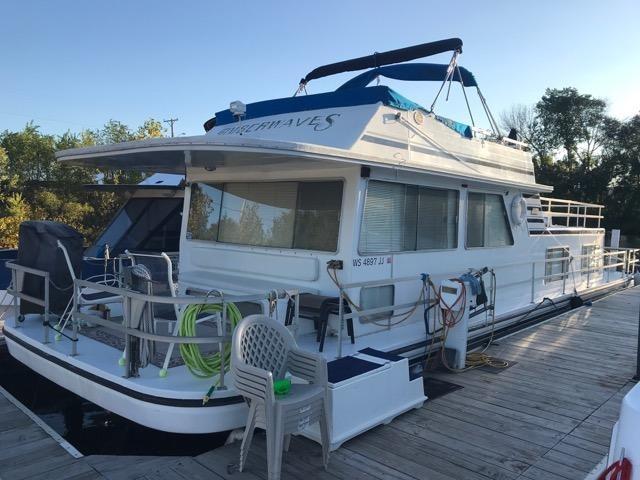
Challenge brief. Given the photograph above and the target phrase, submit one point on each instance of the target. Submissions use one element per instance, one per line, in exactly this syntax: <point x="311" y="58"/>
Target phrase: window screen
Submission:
<point x="591" y="259"/>
<point x="374" y="297"/>
<point x="400" y="217"/>
<point x="487" y="221"/>
<point x="300" y="215"/>
<point x="557" y="264"/>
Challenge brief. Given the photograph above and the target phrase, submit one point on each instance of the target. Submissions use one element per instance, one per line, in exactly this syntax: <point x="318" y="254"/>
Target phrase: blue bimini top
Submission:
<point x="341" y="98"/>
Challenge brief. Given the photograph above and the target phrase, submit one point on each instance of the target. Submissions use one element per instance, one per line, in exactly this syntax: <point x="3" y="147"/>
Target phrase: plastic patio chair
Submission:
<point x="263" y="351"/>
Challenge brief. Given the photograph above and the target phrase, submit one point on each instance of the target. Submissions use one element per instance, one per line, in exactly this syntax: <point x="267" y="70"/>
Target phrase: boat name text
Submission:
<point x="319" y="123"/>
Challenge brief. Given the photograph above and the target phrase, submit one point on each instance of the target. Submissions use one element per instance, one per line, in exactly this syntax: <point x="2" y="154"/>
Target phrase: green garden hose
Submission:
<point x="205" y="366"/>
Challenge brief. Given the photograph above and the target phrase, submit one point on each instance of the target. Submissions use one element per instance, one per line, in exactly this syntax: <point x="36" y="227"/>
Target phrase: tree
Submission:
<point x="15" y="211"/>
<point x="524" y="120"/>
<point x="572" y="121"/>
<point x="622" y="159"/>
<point x="33" y="185"/>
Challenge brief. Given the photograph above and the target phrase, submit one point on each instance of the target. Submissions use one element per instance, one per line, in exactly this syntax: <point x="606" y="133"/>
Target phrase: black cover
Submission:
<point x="385" y="58"/>
<point x="38" y="248"/>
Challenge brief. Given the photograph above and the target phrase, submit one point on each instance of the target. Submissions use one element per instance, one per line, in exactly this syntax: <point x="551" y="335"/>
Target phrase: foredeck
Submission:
<point x="548" y="416"/>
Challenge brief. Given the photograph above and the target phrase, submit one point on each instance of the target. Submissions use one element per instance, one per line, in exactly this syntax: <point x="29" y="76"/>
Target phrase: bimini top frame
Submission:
<point x="385" y="58"/>
<point x="386" y="64"/>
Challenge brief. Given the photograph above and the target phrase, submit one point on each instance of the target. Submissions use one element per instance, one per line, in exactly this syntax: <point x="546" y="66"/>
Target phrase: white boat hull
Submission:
<point x="151" y="413"/>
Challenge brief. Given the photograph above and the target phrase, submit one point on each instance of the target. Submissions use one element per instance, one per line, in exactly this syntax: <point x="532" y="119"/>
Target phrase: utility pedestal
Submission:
<point x="458" y="334"/>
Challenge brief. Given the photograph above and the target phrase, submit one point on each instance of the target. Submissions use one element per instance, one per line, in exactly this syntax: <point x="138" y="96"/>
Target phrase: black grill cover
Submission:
<point x="38" y="248"/>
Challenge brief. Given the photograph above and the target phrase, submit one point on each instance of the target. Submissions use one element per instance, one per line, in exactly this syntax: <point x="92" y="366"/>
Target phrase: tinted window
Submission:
<point x="143" y="224"/>
<point x="487" y="221"/>
<point x="300" y="215"/>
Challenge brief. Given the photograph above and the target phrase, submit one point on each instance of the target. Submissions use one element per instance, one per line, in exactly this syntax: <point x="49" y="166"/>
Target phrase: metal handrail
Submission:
<point x="568" y="209"/>
<point x="215" y="297"/>
<point x="630" y="258"/>
<point x="16" y="292"/>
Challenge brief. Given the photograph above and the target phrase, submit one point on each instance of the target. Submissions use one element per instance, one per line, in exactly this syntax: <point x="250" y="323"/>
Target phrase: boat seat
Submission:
<point x="318" y="308"/>
<point x="100" y="296"/>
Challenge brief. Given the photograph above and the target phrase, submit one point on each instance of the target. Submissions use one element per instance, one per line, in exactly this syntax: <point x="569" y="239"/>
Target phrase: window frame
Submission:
<point x="416" y="250"/>
<point x="506" y="216"/>
<point x="564" y="274"/>
<point x="342" y="180"/>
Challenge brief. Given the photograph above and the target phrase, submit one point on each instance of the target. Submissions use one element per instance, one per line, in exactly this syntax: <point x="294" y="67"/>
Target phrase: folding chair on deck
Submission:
<point x="88" y="296"/>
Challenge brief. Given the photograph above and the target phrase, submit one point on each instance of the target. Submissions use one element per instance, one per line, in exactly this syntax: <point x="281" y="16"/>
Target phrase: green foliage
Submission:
<point x="572" y="121"/>
<point x="33" y="185"/>
<point x="585" y="154"/>
<point x="15" y="212"/>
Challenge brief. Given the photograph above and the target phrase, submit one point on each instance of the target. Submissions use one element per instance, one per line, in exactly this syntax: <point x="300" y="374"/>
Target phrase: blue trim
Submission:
<point x="422" y="72"/>
<point x="302" y="103"/>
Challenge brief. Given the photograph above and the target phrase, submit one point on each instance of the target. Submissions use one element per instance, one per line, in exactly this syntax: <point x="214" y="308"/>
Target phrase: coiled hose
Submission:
<point x="205" y="366"/>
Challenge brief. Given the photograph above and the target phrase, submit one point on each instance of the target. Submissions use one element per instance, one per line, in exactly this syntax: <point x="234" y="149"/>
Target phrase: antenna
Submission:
<point x="171" y="121"/>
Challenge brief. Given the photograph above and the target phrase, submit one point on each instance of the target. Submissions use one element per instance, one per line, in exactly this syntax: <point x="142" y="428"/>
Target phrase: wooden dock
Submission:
<point x="549" y="416"/>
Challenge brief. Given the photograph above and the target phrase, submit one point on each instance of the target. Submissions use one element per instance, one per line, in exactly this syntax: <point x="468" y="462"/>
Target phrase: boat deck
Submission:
<point x="548" y="416"/>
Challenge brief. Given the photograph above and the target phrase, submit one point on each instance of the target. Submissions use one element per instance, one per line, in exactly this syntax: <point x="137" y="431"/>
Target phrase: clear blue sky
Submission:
<point x="70" y="65"/>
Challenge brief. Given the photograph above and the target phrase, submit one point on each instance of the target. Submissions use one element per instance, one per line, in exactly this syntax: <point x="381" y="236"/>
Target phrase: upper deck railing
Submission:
<point x="571" y="213"/>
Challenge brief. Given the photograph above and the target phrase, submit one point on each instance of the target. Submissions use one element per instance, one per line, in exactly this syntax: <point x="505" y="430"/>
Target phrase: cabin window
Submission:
<point x="376" y="297"/>
<point x="143" y="224"/>
<point x="557" y="264"/>
<point x="299" y="215"/>
<point x="487" y="221"/>
<point x="590" y="259"/>
<point x="400" y="218"/>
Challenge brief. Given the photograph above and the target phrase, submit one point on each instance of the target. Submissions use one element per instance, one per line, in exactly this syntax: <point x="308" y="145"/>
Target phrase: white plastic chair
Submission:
<point x="264" y="350"/>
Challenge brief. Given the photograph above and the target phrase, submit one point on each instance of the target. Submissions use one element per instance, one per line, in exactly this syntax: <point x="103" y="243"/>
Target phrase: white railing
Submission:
<point x="567" y="210"/>
<point x="599" y="266"/>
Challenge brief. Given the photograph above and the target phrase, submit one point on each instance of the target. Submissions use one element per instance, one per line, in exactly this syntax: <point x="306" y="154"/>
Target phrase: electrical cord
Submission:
<point x="357" y="308"/>
<point x="449" y="319"/>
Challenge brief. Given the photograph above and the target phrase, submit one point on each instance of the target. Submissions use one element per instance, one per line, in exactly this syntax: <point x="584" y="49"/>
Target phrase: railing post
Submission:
<point x="533" y="281"/>
<point x="341" y="317"/>
<point x="74" y="320"/>
<point x="46" y="308"/>
<point x="637" y="375"/>
<point x="16" y="308"/>
<point x="222" y="345"/>
<point x="126" y="306"/>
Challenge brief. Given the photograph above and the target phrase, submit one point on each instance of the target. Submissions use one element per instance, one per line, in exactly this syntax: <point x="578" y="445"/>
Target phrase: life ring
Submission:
<point x="620" y="470"/>
<point x="518" y="210"/>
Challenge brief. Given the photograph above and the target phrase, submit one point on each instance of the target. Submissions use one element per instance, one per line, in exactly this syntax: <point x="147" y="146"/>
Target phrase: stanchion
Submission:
<point x="636" y="377"/>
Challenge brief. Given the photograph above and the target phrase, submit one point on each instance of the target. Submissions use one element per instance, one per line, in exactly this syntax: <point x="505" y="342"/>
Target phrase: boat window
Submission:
<point x="375" y="297"/>
<point x="557" y="264"/>
<point x="399" y="217"/>
<point x="144" y="224"/>
<point x="300" y="215"/>
<point x="591" y="259"/>
<point x="487" y="221"/>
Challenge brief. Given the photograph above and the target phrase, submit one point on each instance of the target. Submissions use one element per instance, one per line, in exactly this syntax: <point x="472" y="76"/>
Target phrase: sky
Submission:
<point x="72" y="64"/>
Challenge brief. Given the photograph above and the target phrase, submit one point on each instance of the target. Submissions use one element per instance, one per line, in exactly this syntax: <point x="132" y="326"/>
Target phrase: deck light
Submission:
<point x="238" y="109"/>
